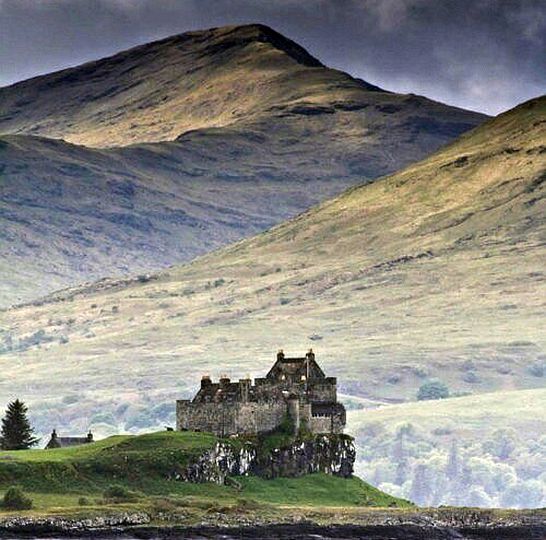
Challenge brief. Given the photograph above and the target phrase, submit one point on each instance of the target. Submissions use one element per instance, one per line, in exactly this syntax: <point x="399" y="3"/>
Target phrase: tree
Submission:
<point x="433" y="389"/>
<point x="17" y="433"/>
<point x="501" y="443"/>
<point x="453" y="462"/>
<point x="400" y="454"/>
<point x="420" y="487"/>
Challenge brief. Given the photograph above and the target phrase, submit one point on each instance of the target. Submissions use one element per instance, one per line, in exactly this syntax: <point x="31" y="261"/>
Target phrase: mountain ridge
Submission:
<point x="157" y="91"/>
<point x="179" y="150"/>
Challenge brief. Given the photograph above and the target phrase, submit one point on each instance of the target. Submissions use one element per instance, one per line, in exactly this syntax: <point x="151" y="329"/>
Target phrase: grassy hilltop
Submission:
<point x="57" y="479"/>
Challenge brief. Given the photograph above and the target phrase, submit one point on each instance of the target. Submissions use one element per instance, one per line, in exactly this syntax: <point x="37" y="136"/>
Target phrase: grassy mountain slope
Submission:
<point x="72" y="214"/>
<point x="435" y="271"/>
<point x="214" y="78"/>
<point x="252" y="130"/>
<point x="462" y="418"/>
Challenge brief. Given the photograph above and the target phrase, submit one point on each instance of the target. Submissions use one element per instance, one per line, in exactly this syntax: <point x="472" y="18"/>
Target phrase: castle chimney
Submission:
<point x="205" y="381"/>
<point x="280" y="355"/>
<point x="310" y="355"/>
<point x="89" y="437"/>
<point x="54" y="435"/>
<point x="224" y="381"/>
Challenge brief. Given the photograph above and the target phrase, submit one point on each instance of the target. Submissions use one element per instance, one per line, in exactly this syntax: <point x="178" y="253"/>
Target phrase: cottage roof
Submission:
<point x="71" y="441"/>
<point x="62" y="442"/>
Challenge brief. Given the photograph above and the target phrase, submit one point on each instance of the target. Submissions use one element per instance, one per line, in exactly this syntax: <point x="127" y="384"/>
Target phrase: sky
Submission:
<point x="485" y="55"/>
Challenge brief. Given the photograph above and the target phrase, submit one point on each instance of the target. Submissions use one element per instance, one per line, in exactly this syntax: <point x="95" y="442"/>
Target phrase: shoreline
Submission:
<point x="378" y="524"/>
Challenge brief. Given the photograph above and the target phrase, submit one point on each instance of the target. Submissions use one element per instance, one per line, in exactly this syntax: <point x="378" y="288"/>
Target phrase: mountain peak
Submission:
<point x="217" y="40"/>
<point x="240" y="35"/>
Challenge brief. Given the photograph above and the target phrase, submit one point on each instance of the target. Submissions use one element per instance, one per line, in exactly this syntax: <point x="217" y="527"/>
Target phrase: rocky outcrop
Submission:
<point x="225" y="459"/>
<point x="330" y="454"/>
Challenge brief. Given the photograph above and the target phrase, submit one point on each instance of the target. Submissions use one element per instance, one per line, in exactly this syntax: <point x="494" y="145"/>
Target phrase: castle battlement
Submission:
<point x="294" y="386"/>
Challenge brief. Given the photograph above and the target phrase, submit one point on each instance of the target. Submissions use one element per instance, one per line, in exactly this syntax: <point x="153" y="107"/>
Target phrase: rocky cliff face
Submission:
<point x="330" y="454"/>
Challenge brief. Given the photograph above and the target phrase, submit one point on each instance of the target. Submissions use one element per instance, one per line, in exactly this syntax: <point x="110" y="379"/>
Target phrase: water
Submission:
<point x="306" y="532"/>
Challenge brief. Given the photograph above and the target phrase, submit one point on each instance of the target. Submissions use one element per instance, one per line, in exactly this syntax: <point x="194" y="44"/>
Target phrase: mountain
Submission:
<point x="222" y="77"/>
<point x="435" y="271"/>
<point x="71" y="214"/>
<point x="178" y="147"/>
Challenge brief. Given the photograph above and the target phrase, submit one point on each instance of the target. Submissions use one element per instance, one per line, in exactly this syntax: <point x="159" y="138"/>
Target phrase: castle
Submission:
<point x="296" y="387"/>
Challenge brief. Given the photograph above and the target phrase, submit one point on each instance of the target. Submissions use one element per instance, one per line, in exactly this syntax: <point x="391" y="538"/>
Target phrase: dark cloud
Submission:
<point x="486" y="55"/>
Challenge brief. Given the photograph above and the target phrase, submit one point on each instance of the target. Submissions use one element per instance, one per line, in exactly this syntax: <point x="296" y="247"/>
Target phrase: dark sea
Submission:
<point x="306" y="532"/>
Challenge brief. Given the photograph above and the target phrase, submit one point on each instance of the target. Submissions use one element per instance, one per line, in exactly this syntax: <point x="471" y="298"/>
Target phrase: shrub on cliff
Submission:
<point x="287" y="425"/>
<point x="15" y="499"/>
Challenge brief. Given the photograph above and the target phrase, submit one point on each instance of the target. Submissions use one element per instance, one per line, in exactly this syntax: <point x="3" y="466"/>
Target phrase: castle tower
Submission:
<point x="293" y="407"/>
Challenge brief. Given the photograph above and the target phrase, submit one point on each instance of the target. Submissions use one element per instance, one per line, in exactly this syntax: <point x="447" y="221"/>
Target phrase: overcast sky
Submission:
<point x="486" y="55"/>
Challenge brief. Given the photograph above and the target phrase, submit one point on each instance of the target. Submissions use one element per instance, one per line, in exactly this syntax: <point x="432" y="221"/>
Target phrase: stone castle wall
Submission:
<point x="296" y="386"/>
<point x="320" y="424"/>
<point x="226" y="419"/>
<point x="324" y="391"/>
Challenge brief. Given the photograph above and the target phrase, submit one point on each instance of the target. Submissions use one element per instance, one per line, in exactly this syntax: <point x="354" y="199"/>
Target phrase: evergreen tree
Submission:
<point x="17" y="433"/>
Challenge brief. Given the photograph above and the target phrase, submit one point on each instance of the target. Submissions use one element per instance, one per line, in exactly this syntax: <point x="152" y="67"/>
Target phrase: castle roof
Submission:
<point x="225" y="390"/>
<point x="284" y="373"/>
<point x="296" y="367"/>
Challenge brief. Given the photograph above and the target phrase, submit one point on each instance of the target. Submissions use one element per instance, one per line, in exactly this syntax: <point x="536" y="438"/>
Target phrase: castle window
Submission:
<point x="283" y="377"/>
<point x="303" y="378"/>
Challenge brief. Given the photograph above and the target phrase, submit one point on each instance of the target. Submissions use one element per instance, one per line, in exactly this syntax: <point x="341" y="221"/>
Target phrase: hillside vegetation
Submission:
<point x="218" y="134"/>
<point x="144" y="466"/>
<point x="484" y="450"/>
<point x="436" y="271"/>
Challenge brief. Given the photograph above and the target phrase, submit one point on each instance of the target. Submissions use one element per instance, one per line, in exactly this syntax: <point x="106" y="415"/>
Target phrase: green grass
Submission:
<point x="56" y="479"/>
<point x="317" y="490"/>
<point x="138" y="461"/>
<point x="63" y="454"/>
